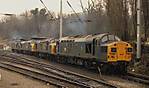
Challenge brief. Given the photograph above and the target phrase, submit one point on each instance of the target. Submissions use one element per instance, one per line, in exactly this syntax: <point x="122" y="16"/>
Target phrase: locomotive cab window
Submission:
<point x="111" y="37"/>
<point x="88" y="48"/>
<point x="104" y="39"/>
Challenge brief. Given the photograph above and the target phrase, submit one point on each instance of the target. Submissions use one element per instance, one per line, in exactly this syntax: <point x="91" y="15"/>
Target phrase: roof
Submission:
<point x="38" y="38"/>
<point x="83" y="38"/>
<point x="44" y="40"/>
<point x="26" y="42"/>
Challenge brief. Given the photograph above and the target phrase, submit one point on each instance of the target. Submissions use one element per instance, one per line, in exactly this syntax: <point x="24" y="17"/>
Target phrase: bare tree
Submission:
<point x="145" y="6"/>
<point x="117" y="12"/>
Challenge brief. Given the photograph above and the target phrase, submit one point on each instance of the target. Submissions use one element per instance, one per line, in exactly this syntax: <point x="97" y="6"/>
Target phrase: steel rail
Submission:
<point x="35" y="75"/>
<point x="53" y="76"/>
<point x="137" y="78"/>
<point x="66" y="74"/>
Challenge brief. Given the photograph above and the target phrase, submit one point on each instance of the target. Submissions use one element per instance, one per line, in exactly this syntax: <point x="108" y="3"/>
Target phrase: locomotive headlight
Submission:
<point x="129" y="49"/>
<point x="113" y="50"/>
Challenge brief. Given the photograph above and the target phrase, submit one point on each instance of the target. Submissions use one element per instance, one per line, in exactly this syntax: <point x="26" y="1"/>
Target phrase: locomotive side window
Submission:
<point x="88" y="48"/>
<point x="113" y="50"/>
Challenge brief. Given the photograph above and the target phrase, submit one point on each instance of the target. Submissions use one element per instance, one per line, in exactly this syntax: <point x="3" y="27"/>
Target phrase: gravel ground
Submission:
<point x="11" y="79"/>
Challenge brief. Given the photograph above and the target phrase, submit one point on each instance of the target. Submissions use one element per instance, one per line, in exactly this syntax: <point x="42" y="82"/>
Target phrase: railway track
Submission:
<point x="137" y="78"/>
<point x="30" y="73"/>
<point x="63" y="75"/>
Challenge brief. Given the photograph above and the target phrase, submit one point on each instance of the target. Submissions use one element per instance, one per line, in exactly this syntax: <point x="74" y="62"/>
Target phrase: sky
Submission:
<point x="20" y="6"/>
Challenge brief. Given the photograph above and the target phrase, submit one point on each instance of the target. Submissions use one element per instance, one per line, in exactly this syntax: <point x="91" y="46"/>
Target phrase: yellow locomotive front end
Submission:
<point x="53" y="48"/>
<point x="33" y="47"/>
<point x="119" y="52"/>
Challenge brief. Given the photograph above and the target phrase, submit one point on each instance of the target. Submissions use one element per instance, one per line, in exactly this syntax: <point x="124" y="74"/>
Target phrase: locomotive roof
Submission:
<point x="38" y="38"/>
<point x="44" y="40"/>
<point x="26" y="41"/>
<point x="84" y="38"/>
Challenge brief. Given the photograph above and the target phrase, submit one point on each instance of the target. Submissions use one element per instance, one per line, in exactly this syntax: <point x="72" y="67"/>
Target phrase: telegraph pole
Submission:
<point x="61" y="20"/>
<point x="138" y="30"/>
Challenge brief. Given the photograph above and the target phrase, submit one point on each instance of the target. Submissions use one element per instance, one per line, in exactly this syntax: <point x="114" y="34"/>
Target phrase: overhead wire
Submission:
<point x="74" y="12"/>
<point x="46" y="8"/>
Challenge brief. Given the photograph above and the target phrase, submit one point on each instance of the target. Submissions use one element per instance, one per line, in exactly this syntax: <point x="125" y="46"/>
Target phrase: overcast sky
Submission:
<point x="19" y="6"/>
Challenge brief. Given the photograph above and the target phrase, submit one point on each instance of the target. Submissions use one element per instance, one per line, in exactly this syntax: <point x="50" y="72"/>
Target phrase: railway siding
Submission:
<point x="80" y="79"/>
<point x="30" y="73"/>
<point x="137" y="78"/>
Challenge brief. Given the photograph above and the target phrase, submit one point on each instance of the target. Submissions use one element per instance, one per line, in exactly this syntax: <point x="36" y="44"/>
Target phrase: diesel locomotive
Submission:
<point x="103" y="50"/>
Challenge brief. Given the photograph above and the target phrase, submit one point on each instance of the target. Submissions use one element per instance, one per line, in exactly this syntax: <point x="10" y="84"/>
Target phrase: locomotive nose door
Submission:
<point x="121" y="51"/>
